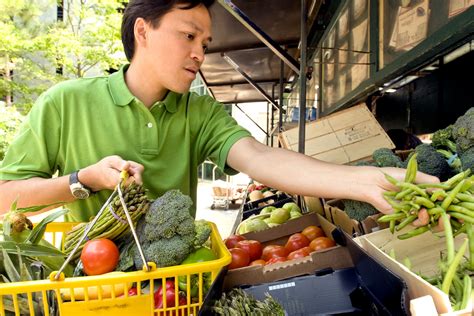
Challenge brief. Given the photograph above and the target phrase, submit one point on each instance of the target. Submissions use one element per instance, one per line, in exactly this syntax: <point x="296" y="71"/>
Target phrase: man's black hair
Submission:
<point x="150" y="11"/>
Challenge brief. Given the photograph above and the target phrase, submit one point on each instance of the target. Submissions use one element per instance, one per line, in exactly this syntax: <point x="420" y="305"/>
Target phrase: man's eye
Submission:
<point x="189" y="36"/>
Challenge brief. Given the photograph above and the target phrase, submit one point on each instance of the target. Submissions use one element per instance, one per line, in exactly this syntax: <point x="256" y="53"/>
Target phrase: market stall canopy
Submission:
<point x="234" y="45"/>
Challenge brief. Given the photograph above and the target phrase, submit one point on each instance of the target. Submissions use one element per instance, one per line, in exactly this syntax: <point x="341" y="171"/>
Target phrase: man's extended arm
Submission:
<point x="296" y="173"/>
<point x="40" y="191"/>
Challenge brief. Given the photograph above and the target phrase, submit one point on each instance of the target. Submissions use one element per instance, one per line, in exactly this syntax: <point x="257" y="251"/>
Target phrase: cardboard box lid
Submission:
<point x="423" y="252"/>
<point x="342" y="137"/>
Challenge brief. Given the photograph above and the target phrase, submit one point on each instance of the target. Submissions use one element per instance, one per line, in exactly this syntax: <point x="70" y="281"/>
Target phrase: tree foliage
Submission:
<point x="10" y="120"/>
<point x="41" y="51"/>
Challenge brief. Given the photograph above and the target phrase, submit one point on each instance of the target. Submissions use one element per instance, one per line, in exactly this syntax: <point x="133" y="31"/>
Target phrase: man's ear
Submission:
<point x="140" y="31"/>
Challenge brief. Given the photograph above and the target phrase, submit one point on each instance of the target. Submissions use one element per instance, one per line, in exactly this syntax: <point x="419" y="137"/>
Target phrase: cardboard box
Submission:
<point x="423" y="252"/>
<point x="343" y="137"/>
<point x="336" y="257"/>
<point x="334" y="209"/>
<point x="364" y="288"/>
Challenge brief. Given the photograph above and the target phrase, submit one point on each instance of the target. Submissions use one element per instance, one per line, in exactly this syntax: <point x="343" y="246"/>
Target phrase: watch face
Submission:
<point x="80" y="193"/>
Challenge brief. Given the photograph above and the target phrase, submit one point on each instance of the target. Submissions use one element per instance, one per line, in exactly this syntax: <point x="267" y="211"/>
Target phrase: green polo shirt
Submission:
<point x="77" y="123"/>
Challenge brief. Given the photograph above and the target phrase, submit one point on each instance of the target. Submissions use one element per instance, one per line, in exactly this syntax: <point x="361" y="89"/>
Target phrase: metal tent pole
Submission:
<point x="302" y="79"/>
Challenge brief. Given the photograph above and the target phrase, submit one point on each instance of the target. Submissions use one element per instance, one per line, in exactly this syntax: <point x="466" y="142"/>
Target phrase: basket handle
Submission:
<point x="123" y="177"/>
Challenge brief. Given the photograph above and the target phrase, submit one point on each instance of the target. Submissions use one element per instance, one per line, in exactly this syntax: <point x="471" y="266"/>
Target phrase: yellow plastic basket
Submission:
<point x="108" y="294"/>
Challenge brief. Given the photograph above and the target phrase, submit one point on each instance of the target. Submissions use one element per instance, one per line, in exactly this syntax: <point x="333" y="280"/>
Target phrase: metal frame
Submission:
<point x="260" y="34"/>
<point x="266" y="133"/>
<point x="299" y="68"/>
<point x="302" y="79"/>
<point x="456" y="32"/>
<point x="234" y="65"/>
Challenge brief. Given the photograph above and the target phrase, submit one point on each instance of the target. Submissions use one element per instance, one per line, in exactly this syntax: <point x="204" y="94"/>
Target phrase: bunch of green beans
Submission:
<point x="438" y="207"/>
<point x="112" y="223"/>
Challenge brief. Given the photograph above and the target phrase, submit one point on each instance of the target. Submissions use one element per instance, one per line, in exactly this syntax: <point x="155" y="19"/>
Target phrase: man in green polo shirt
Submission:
<point x="143" y="119"/>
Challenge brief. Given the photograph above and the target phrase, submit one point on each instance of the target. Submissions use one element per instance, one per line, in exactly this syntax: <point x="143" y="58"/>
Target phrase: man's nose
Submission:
<point x="198" y="54"/>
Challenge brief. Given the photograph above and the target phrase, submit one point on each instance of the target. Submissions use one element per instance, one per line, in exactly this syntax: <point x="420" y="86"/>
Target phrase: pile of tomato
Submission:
<point x="246" y="252"/>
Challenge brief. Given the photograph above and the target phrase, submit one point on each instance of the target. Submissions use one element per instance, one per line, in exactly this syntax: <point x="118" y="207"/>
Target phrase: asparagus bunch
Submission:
<point x="446" y="207"/>
<point x="112" y="224"/>
<point x="238" y="303"/>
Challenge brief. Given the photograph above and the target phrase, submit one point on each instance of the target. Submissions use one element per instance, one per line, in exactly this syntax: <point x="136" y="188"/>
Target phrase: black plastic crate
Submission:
<point x="254" y="204"/>
<point x="368" y="288"/>
<point x="284" y="198"/>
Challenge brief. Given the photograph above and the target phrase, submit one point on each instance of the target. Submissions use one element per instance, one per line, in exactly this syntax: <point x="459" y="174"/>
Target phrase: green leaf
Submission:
<point x="33" y="209"/>
<point x="10" y="269"/>
<point x="30" y="250"/>
<point x="5" y="279"/>
<point x="37" y="233"/>
<point x="7" y="227"/>
<point x="22" y="304"/>
<point x="14" y="205"/>
<point x="25" y="274"/>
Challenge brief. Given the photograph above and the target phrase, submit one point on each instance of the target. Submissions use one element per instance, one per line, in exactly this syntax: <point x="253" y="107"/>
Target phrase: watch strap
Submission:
<point x="74" y="178"/>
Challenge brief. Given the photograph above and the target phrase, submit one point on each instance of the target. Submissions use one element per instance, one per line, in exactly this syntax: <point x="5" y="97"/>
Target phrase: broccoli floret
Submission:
<point x="358" y="210"/>
<point x="463" y="131"/>
<point x="431" y="162"/>
<point x="168" y="215"/>
<point x="202" y="232"/>
<point x="443" y="138"/>
<point x="165" y="252"/>
<point x="385" y="157"/>
<point x="467" y="159"/>
<point x="453" y="160"/>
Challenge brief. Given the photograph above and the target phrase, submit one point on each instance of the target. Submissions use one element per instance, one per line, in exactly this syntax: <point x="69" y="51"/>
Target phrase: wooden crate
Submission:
<point x="343" y="137"/>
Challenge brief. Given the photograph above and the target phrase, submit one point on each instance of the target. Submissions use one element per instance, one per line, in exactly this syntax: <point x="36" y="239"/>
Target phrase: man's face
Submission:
<point x="172" y="53"/>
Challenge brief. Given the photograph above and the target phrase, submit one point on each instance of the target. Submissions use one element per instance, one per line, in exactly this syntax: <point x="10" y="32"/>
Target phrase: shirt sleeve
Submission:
<point x="34" y="151"/>
<point x="219" y="133"/>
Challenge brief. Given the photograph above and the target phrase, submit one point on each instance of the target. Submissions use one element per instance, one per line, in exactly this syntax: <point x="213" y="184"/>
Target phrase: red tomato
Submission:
<point x="99" y="256"/>
<point x="275" y="260"/>
<point x="133" y="291"/>
<point x="300" y="253"/>
<point x="321" y="243"/>
<point x="274" y="251"/>
<point x="169" y="295"/>
<point x="296" y="241"/>
<point x="312" y="232"/>
<point x="232" y="240"/>
<point x="240" y="258"/>
<point x="257" y="262"/>
<point x="253" y="247"/>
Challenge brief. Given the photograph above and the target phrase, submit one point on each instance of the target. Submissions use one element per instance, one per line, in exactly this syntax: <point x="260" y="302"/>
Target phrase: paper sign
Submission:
<point x="411" y="26"/>
<point x="458" y="6"/>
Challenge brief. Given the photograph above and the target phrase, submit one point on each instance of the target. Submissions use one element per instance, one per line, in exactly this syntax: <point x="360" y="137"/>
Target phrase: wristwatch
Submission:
<point x="78" y="190"/>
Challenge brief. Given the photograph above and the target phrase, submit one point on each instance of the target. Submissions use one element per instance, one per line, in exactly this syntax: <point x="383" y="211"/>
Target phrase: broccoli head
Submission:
<point x="463" y="131"/>
<point x="431" y="162"/>
<point x="168" y="232"/>
<point x="358" y="210"/>
<point x="384" y="157"/>
<point x="443" y="138"/>
<point x="467" y="159"/>
<point x="169" y="215"/>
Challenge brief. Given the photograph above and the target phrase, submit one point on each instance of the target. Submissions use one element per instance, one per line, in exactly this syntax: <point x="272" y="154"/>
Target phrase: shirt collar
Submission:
<point x="122" y="96"/>
<point x="118" y="88"/>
